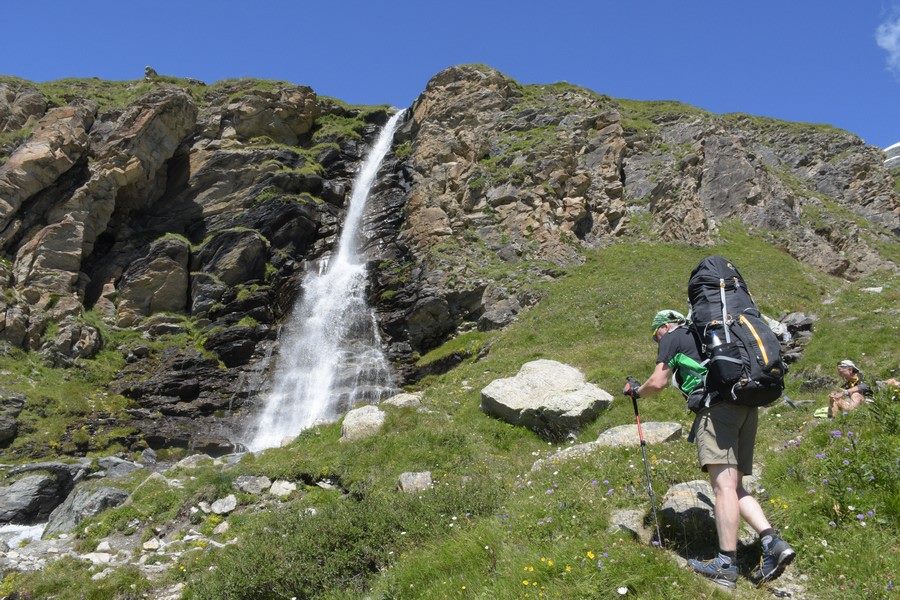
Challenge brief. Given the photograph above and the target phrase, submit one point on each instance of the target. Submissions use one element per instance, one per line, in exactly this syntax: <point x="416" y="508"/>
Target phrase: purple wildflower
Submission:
<point x="861" y="517"/>
<point x="594" y="483"/>
<point x="846" y="462"/>
<point x="820" y="455"/>
<point x="836" y="433"/>
<point x="870" y="513"/>
<point x="825" y="482"/>
<point x="609" y="492"/>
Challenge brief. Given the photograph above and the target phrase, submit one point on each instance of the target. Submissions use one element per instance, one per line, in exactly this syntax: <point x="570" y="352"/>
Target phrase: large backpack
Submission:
<point x="744" y="354"/>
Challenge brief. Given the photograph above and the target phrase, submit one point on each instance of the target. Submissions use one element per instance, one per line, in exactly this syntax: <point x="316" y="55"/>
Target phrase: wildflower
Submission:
<point x="590" y="555"/>
<point x="609" y="492"/>
<point x="832" y="524"/>
<point x="594" y="483"/>
<point x="543" y="559"/>
<point x="820" y="455"/>
<point x="568" y="568"/>
<point x="836" y="433"/>
<point x="606" y="482"/>
<point x="525" y="582"/>
<point x="530" y="569"/>
<point x="870" y="513"/>
<point x="550" y="562"/>
<point x="846" y="462"/>
<point x="861" y="517"/>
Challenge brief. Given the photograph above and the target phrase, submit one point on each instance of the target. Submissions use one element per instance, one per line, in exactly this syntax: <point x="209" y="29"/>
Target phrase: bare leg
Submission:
<point x="724" y="480"/>
<point x="750" y="509"/>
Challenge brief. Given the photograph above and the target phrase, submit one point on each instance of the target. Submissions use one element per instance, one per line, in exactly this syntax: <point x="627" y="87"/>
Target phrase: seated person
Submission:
<point x="854" y="391"/>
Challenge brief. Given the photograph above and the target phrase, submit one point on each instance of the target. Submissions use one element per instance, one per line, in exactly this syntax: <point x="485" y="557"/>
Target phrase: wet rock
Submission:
<point x="82" y="504"/>
<point x="548" y="397"/>
<point x="362" y="422"/>
<point x="235" y="345"/>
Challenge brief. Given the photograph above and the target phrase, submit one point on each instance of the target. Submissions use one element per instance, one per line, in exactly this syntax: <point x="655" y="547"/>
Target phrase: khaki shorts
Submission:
<point x="726" y="434"/>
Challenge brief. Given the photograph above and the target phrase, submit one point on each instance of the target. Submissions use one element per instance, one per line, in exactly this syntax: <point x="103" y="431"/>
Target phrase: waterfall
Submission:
<point x="330" y="355"/>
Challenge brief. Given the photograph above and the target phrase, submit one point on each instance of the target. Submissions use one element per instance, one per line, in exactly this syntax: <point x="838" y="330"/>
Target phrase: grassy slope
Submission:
<point x="491" y="525"/>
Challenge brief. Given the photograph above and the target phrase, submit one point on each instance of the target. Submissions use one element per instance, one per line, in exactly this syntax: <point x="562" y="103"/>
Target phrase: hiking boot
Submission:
<point x="775" y="557"/>
<point x="717" y="570"/>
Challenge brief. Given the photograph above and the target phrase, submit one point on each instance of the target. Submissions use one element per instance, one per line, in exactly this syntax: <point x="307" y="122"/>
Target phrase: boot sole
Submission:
<point x="784" y="559"/>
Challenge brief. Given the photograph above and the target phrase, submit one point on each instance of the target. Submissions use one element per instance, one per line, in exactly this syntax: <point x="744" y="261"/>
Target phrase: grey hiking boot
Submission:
<point x="775" y="557"/>
<point x="720" y="572"/>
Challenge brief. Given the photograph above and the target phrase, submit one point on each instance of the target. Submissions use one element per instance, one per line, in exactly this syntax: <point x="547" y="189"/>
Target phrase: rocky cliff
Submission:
<point x="163" y="225"/>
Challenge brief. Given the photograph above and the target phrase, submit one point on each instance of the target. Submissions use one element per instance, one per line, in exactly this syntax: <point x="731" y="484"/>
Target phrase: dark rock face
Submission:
<point x="33" y="497"/>
<point x="10" y="407"/>
<point x="82" y="504"/>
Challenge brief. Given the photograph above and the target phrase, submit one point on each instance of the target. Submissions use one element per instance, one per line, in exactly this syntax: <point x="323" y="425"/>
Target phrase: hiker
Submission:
<point x="725" y="435"/>
<point x="854" y="389"/>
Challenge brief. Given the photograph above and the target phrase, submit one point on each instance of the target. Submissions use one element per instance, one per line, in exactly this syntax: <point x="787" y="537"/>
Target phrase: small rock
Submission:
<point x="361" y="423"/>
<point x="221" y="528"/>
<point x="148" y="456"/>
<point x="152" y="545"/>
<point x="632" y="521"/>
<point x="98" y="558"/>
<point x="253" y="485"/>
<point x="193" y="461"/>
<point x="282" y="488"/>
<point x="872" y="290"/>
<point x="327" y="485"/>
<point x="116" y="467"/>
<point x="103" y="547"/>
<point x="405" y="400"/>
<point x="414" y="482"/>
<point x="102" y="574"/>
<point x="310" y="511"/>
<point x="225" y="505"/>
<point x="627" y="435"/>
<point x="205" y="507"/>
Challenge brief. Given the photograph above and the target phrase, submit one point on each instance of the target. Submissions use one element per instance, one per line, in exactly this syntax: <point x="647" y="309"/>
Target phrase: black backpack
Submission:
<point x="744" y="353"/>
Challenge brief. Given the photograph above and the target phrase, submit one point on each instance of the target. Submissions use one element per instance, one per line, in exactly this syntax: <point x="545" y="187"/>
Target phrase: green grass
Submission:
<point x="491" y="525"/>
<point x="644" y="115"/>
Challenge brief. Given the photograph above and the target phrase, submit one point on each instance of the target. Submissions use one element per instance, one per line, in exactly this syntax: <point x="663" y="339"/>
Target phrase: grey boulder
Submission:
<point x="80" y="505"/>
<point x="116" y="467"/>
<point x="550" y="398"/>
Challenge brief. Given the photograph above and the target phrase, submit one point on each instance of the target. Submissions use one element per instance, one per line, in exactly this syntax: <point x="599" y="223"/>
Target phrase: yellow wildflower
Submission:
<point x="525" y="582"/>
<point x="590" y="555"/>
<point x="568" y="568"/>
<point x="549" y="562"/>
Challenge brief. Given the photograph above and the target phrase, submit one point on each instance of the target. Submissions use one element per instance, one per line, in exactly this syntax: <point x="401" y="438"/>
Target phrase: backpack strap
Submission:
<point x="724" y="311"/>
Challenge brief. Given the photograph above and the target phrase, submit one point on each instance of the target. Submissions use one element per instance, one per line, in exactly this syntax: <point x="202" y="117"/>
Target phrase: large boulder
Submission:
<point x="73" y="340"/>
<point x="82" y="504"/>
<point x="687" y="515"/>
<point x="10" y="407"/>
<point x="31" y="499"/>
<point x="362" y="422"/>
<point x="117" y="468"/>
<point x="551" y="398"/>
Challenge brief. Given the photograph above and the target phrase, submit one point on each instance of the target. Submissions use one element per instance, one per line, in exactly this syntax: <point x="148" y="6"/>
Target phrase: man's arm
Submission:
<point x="657" y="381"/>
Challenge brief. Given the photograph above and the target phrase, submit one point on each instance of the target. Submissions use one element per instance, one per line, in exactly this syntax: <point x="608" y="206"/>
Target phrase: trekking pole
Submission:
<point x="633" y="386"/>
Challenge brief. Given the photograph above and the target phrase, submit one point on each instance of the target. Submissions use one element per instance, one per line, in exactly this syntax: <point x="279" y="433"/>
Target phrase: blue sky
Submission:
<point x="805" y="60"/>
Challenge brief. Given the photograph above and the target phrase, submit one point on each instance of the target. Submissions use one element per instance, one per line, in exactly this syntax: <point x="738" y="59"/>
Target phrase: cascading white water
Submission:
<point x="330" y="354"/>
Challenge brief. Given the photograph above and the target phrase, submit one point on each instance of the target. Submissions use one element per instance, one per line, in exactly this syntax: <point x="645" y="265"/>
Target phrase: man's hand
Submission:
<point x="631" y="387"/>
